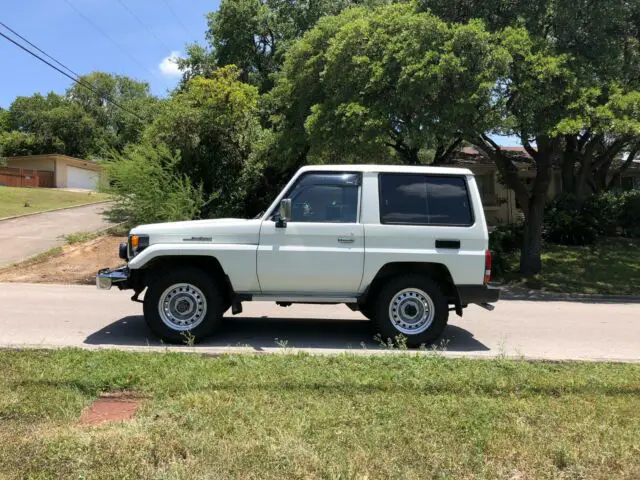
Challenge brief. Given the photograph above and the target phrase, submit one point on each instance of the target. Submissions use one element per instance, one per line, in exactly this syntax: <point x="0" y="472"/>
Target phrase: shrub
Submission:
<point x="571" y="221"/>
<point x="504" y="240"/>
<point x="629" y="213"/>
<point x="147" y="188"/>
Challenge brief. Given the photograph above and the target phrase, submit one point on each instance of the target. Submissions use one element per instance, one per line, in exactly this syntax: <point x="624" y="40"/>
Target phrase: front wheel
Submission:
<point x="412" y="306"/>
<point x="183" y="305"/>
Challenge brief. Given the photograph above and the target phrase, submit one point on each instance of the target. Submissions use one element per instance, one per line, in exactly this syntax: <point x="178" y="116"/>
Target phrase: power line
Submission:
<point x="124" y="5"/>
<point x="78" y="81"/>
<point x="37" y="48"/>
<point x="88" y="20"/>
<point x="166" y="3"/>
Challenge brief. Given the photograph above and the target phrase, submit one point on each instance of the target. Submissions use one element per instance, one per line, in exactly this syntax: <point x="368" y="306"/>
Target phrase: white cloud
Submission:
<point x="169" y="67"/>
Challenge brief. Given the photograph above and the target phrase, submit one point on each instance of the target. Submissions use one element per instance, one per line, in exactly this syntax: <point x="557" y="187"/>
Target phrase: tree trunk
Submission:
<point x="530" y="258"/>
<point x="568" y="165"/>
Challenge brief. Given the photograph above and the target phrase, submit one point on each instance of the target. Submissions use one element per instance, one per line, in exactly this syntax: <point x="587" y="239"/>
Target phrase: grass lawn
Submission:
<point x="18" y="201"/>
<point x="300" y="416"/>
<point x="611" y="267"/>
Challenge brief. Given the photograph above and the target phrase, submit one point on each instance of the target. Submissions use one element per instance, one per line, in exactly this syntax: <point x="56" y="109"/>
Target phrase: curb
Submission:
<point x="55" y="210"/>
<point x="534" y="296"/>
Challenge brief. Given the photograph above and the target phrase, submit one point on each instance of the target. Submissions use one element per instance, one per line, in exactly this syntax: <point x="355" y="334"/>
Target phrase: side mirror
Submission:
<point x="285" y="213"/>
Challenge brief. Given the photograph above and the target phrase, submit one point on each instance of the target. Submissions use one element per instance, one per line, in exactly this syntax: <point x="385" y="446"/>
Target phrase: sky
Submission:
<point x="143" y="37"/>
<point x="140" y="46"/>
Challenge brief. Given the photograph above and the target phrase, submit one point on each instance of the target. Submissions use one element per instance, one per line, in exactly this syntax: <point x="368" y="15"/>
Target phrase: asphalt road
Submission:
<point x="23" y="237"/>
<point x="53" y="316"/>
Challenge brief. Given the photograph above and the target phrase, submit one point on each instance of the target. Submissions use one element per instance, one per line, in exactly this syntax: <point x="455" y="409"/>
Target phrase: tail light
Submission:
<point x="487" y="266"/>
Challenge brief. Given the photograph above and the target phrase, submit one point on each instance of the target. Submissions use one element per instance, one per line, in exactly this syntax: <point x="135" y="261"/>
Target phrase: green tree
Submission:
<point x="570" y="94"/>
<point x="4" y="120"/>
<point x="255" y="35"/>
<point x="214" y="124"/>
<point x="115" y="126"/>
<point x="414" y="84"/>
<point x="46" y="124"/>
<point x="80" y="123"/>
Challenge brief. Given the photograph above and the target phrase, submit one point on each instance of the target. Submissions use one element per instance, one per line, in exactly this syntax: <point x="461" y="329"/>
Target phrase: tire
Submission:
<point x="367" y="311"/>
<point x="413" y="297"/>
<point x="195" y="293"/>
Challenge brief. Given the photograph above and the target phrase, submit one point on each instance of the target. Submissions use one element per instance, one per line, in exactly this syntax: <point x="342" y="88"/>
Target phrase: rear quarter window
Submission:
<point x="416" y="199"/>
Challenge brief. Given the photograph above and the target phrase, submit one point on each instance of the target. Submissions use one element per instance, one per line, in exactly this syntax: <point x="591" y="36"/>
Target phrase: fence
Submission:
<point x="25" y="177"/>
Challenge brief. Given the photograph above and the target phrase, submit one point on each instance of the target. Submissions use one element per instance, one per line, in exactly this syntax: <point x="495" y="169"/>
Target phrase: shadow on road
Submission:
<point x="264" y="332"/>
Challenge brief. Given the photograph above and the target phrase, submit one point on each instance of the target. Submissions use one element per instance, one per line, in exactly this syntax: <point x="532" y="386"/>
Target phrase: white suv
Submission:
<point x="403" y="245"/>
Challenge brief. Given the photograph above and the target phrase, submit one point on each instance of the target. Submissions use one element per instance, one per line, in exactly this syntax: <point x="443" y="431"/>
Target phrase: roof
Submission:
<point x="77" y="161"/>
<point x="519" y="151"/>
<point x="444" y="170"/>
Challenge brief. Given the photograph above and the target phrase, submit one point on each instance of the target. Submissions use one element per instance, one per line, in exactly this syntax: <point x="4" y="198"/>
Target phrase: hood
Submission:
<point x="220" y="230"/>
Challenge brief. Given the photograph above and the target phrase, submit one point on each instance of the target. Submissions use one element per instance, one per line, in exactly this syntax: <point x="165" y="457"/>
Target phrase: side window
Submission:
<point x="326" y="198"/>
<point x="408" y="199"/>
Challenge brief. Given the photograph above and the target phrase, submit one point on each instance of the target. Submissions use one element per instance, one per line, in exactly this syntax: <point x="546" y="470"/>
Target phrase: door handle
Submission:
<point x="346" y="239"/>
<point x="450" y="244"/>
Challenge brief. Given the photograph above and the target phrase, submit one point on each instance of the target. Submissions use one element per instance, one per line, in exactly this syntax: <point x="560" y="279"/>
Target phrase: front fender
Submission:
<point x="237" y="261"/>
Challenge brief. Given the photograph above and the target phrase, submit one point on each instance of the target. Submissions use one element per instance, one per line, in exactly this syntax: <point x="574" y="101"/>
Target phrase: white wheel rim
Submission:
<point x="182" y="307"/>
<point x="411" y="311"/>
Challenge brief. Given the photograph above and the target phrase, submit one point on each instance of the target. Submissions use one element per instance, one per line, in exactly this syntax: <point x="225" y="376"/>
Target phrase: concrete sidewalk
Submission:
<point x="24" y="237"/>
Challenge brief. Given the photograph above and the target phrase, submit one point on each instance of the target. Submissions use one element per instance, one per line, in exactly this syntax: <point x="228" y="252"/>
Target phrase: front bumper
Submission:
<point x="107" y="277"/>
<point x="478" y="294"/>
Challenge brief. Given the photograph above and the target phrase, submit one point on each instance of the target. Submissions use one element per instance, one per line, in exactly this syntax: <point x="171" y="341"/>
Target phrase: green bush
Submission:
<point x="572" y="221"/>
<point x="629" y="213"/>
<point x="147" y="188"/>
<point x="504" y="241"/>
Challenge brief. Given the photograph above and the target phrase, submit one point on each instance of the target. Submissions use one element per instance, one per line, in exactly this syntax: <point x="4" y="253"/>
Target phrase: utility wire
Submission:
<point x="102" y="32"/>
<point x="130" y="12"/>
<point x="38" y="49"/>
<point x="76" y="80"/>
<point x="166" y="3"/>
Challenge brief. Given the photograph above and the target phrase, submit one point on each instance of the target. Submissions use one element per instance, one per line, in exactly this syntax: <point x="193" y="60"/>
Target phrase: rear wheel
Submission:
<point x="183" y="305"/>
<point x="412" y="306"/>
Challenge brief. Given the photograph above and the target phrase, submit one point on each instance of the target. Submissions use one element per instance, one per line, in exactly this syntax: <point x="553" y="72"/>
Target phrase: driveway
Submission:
<point x="51" y="316"/>
<point x="23" y="237"/>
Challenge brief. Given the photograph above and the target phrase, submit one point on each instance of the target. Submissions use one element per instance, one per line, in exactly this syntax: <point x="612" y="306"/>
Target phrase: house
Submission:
<point x="59" y="171"/>
<point x="500" y="204"/>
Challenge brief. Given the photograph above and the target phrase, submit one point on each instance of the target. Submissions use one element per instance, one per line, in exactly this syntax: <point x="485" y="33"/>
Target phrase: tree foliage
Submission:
<point x="414" y="83"/>
<point x="214" y="124"/>
<point x="147" y="186"/>
<point x="79" y="123"/>
<point x="255" y="35"/>
<point x="571" y="92"/>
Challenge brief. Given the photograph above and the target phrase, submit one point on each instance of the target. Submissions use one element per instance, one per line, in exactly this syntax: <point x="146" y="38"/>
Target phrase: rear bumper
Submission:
<point x="478" y="294"/>
<point x="107" y="277"/>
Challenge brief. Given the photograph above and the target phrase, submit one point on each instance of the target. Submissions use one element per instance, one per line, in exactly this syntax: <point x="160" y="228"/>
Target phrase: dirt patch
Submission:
<point x="77" y="264"/>
<point x="109" y="408"/>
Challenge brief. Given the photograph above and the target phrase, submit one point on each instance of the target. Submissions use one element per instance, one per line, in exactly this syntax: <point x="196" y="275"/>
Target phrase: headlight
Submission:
<point x="138" y="243"/>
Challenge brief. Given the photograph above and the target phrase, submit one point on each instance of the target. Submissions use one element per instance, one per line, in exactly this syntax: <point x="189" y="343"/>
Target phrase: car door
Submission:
<point x="321" y="249"/>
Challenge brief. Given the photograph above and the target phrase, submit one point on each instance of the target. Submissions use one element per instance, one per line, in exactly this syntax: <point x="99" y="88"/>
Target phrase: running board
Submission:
<point x="302" y="299"/>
